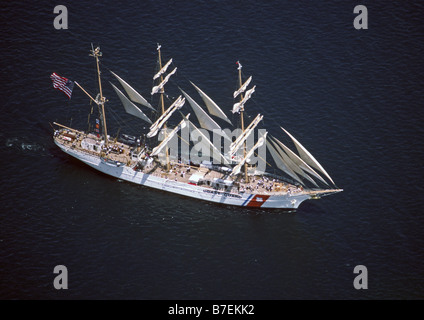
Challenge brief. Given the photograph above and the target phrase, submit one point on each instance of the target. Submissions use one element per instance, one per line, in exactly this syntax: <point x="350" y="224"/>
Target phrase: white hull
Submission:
<point x="204" y="180"/>
<point x="283" y="201"/>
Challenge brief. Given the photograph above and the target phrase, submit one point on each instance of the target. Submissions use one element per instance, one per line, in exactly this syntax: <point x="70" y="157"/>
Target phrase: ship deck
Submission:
<point x="121" y="153"/>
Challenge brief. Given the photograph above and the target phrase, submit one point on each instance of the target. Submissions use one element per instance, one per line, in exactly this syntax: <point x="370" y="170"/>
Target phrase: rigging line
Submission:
<point x="188" y="143"/>
<point x="115" y="116"/>
<point x="117" y="122"/>
<point x="262" y="159"/>
<point x="179" y="73"/>
<point x="69" y="111"/>
<point x="120" y="121"/>
<point x="125" y="124"/>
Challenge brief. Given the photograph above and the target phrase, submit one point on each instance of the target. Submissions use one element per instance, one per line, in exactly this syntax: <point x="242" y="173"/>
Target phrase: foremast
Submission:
<point x="246" y="176"/>
<point x="239" y="107"/>
<point x="162" y="103"/>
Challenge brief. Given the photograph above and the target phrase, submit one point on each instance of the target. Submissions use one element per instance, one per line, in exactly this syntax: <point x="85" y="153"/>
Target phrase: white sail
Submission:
<point x="307" y="156"/>
<point x="165" y="141"/>
<point x="163" y="70"/>
<point x="204" y="119"/>
<point x="236" y="169"/>
<point x="132" y="93"/>
<point x="243" y="87"/>
<point x="211" y="105"/>
<point x="239" y="105"/>
<point x="155" y="127"/>
<point x="176" y="105"/>
<point x="130" y="107"/>
<point x="299" y="162"/>
<point x="156" y="89"/>
<point x="205" y="141"/>
<point x="292" y="165"/>
<point x="236" y="145"/>
<point x="279" y="161"/>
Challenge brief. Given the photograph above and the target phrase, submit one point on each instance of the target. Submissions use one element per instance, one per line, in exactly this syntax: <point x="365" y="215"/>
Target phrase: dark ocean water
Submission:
<point x="352" y="97"/>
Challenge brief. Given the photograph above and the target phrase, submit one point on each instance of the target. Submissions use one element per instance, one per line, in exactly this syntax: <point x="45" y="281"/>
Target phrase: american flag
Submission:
<point x="62" y="84"/>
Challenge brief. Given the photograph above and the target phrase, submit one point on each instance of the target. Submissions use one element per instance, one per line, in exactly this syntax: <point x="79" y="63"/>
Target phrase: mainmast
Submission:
<point x="246" y="177"/>
<point x="162" y="92"/>
<point x="96" y="53"/>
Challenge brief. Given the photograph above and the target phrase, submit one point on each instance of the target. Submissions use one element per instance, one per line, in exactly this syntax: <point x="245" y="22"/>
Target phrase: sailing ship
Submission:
<point x="174" y="159"/>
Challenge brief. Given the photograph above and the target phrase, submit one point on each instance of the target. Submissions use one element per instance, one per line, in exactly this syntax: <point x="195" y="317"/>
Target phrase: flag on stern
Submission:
<point x="62" y="84"/>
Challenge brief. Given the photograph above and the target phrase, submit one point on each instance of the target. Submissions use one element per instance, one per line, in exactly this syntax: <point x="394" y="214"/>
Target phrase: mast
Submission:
<point x="246" y="177"/>
<point x="162" y="91"/>
<point x="96" y="53"/>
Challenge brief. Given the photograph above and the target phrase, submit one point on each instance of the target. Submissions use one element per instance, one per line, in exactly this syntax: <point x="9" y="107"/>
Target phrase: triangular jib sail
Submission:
<point x="205" y="141"/>
<point x="307" y="156"/>
<point x="281" y="164"/>
<point x="130" y="107"/>
<point x="205" y="120"/>
<point x="292" y="165"/>
<point x="211" y="105"/>
<point x="305" y="168"/>
<point x="132" y="93"/>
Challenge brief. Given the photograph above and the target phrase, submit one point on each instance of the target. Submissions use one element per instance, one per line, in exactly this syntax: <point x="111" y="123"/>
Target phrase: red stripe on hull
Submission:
<point x="258" y="200"/>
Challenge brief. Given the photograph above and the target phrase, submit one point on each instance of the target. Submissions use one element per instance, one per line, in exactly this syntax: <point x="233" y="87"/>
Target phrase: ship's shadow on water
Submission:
<point x="311" y="207"/>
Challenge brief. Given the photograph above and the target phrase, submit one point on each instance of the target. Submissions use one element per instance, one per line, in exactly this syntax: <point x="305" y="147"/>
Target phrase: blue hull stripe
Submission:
<point x="244" y="203"/>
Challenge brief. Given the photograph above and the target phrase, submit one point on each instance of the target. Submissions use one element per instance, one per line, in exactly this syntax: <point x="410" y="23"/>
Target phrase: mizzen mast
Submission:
<point x="96" y="54"/>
